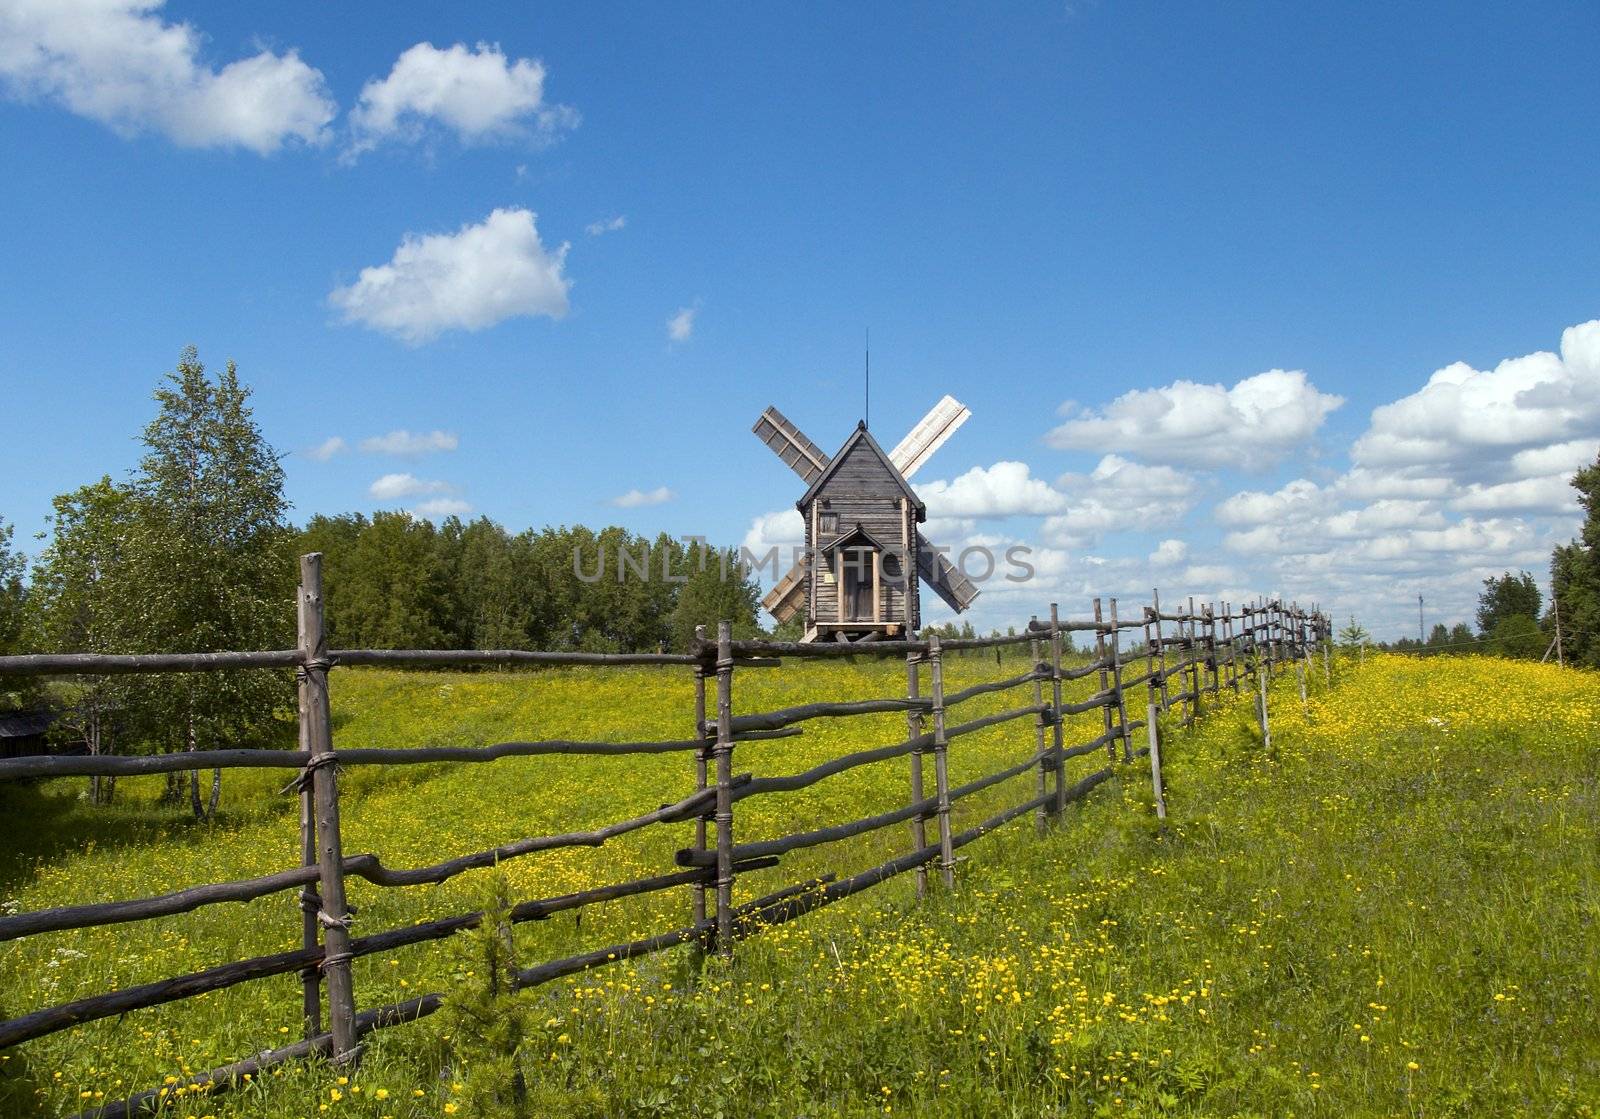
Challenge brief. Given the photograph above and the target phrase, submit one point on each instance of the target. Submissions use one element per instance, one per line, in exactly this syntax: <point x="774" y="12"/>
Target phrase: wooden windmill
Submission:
<point x="862" y="536"/>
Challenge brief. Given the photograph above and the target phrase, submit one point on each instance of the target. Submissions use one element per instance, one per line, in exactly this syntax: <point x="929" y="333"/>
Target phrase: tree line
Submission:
<point x="195" y="552"/>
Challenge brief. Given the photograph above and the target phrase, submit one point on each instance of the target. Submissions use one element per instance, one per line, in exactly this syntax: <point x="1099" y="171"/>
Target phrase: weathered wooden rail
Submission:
<point x="1203" y="653"/>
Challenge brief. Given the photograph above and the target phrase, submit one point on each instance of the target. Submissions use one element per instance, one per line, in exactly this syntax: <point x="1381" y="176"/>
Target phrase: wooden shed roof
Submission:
<point x="859" y="436"/>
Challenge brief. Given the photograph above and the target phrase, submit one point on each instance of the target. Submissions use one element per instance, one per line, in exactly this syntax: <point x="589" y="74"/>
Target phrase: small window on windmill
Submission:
<point x="828" y="522"/>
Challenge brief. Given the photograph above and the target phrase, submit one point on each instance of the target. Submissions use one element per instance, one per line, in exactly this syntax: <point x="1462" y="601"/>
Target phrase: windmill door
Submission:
<point x="858" y="563"/>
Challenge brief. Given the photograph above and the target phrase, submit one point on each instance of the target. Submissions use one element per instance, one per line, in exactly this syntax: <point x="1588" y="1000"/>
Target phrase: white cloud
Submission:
<point x="681" y="326"/>
<point x="1364" y="484"/>
<point x="440" y="507"/>
<point x="782" y="529"/>
<point x="392" y="486"/>
<point x="474" y="278"/>
<point x="403" y="442"/>
<point x="1131" y="479"/>
<point x="606" y="225"/>
<point x="1169" y="553"/>
<point x="1251" y="425"/>
<point x="1565" y="459"/>
<point x="326" y="449"/>
<point x="635" y="499"/>
<point x="119" y="63"/>
<point x="1552" y="493"/>
<point x="479" y="95"/>
<point x="1006" y="489"/>
<point x="1464" y="415"/>
<point x="1252" y="507"/>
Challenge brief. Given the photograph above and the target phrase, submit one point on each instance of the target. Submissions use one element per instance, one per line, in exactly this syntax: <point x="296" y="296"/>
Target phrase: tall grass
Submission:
<point x="1393" y="913"/>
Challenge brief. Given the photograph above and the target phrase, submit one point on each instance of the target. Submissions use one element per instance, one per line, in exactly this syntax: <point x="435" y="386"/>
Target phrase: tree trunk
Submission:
<point x="194" y="774"/>
<point x="216" y="794"/>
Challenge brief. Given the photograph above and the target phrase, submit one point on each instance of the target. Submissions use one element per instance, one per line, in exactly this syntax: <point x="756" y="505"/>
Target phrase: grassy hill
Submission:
<point x="1392" y="913"/>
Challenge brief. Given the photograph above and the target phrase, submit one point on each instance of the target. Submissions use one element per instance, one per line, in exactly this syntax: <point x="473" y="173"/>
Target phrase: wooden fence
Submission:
<point x="1185" y="654"/>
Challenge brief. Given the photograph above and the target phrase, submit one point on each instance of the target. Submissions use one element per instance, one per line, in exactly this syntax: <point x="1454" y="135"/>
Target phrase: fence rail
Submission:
<point x="1204" y="653"/>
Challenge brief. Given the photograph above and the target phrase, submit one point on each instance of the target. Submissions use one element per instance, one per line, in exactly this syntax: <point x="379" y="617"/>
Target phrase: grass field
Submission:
<point x="1395" y="912"/>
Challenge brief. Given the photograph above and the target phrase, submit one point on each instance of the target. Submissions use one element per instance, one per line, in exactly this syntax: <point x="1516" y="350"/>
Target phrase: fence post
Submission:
<point x="310" y="901"/>
<point x="941" y="768"/>
<point x="1155" y="760"/>
<point x="1105" y="680"/>
<point x="1042" y="817"/>
<point x="1211" y="648"/>
<point x="1122" y="702"/>
<point x="723" y="752"/>
<point x="1058" y="760"/>
<point x="334" y="914"/>
<point x="1194" y="665"/>
<point x="1327" y="653"/>
<point x="1161" y="646"/>
<point x="701" y="770"/>
<point x="919" y="824"/>
<point x="1266" y="727"/>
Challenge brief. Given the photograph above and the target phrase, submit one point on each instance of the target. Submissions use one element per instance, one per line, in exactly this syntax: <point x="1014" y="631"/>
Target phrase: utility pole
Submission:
<point x="1560" y="660"/>
<point x="1422" y="638"/>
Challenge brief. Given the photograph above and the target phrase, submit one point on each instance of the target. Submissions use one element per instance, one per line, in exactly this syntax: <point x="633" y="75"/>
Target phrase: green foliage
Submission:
<point x="18" y="692"/>
<point x="190" y="556"/>
<point x="395" y="581"/>
<point x="1518" y="636"/>
<point x="1406" y="882"/>
<point x="1575" y="577"/>
<point x="486" y="1023"/>
<point x="1506" y="596"/>
<point x="1354" y="635"/>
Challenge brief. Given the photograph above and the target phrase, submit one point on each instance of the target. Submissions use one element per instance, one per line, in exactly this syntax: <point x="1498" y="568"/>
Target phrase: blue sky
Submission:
<point x="1036" y="208"/>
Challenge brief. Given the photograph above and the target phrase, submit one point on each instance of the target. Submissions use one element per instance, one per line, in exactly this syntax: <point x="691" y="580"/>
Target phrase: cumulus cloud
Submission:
<point x="1169" y="553"/>
<point x="1551" y="493"/>
<point x="479" y="95"/>
<point x="403" y="442"/>
<point x="468" y="280"/>
<point x="681" y="325"/>
<point x="1464" y="416"/>
<point x="635" y="499"/>
<point x="1251" y="425"/>
<point x="1006" y="489"/>
<point x="606" y="225"/>
<point x="119" y="63"/>
<point x="392" y="486"/>
<point x="1253" y="507"/>
<point x="1131" y="479"/>
<point x="326" y="449"/>
<point x="782" y="529"/>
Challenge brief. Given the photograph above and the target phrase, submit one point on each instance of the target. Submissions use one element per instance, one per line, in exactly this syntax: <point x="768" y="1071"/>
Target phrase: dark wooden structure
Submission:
<point x="859" y="577"/>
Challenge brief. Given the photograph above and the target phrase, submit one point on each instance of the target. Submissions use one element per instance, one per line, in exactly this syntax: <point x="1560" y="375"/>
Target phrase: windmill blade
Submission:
<point x="790" y="444"/>
<point x="945" y="578"/>
<point x="788" y="596"/>
<point x="929" y="435"/>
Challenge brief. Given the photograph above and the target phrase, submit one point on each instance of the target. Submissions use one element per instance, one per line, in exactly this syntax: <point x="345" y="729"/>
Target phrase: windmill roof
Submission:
<point x="862" y="435"/>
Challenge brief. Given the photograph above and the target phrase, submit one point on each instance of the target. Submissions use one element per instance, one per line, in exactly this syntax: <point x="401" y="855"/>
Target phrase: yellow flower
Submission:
<point x="1413" y="1066"/>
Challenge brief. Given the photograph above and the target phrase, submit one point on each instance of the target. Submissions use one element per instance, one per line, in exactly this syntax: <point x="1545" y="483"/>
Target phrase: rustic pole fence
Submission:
<point x="724" y="763"/>
<point x="941" y="763"/>
<point x="708" y="865"/>
<point x="1058" y="758"/>
<point x="702" y="771"/>
<point x="1046" y="758"/>
<point x="334" y="915"/>
<point x="919" y="821"/>
<point x="310" y="901"/>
